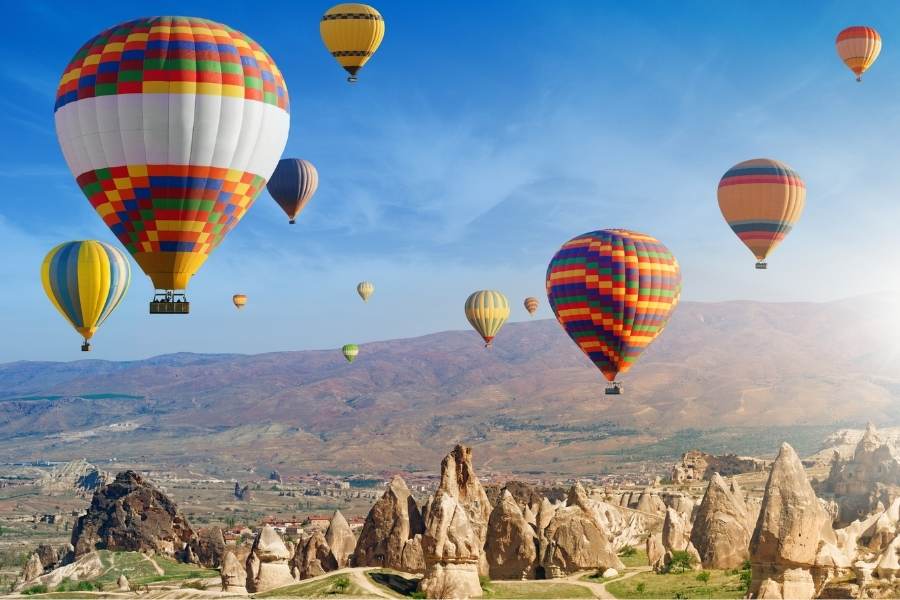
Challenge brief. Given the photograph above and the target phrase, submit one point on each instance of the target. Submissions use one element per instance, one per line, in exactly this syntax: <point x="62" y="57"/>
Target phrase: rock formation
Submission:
<point x="698" y="466"/>
<point x="340" y="539"/>
<point x="312" y="558"/>
<point x="650" y="502"/>
<point x="452" y="549"/>
<point x="388" y="537"/>
<point x="544" y="515"/>
<point x="242" y="493"/>
<point x="722" y="528"/>
<point x="48" y="555"/>
<point x="786" y="540"/>
<point x="575" y="540"/>
<point x="208" y="547"/>
<point x="234" y="577"/>
<point x="871" y="476"/>
<point x="32" y="569"/>
<point x="267" y="565"/>
<point x="122" y="584"/>
<point x="656" y="552"/>
<point x="85" y="568"/>
<point x="511" y="546"/>
<point x="676" y="537"/>
<point x="131" y="514"/>
<point x="78" y="475"/>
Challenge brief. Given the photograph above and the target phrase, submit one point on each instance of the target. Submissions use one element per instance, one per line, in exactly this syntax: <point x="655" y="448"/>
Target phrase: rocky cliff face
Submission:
<point x="267" y="564"/>
<point x="870" y="477"/>
<point x="511" y="546"/>
<point x="340" y="540"/>
<point x="132" y="514"/>
<point x="696" y="465"/>
<point x="391" y="535"/>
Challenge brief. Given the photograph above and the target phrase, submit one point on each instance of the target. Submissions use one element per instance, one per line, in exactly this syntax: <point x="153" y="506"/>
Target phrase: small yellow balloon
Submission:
<point x="240" y="300"/>
<point x="487" y="311"/>
<point x="352" y="33"/>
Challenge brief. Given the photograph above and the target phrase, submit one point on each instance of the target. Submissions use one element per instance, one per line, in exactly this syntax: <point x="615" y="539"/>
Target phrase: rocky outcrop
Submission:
<point x="722" y="528"/>
<point x="656" y="552"/>
<point x="32" y="569"/>
<point x="388" y="537"/>
<point x="234" y="577"/>
<point x="452" y="550"/>
<point x="676" y="537"/>
<point x="511" y="546"/>
<point x="131" y="514"/>
<point x="544" y="515"/>
<point x="575" y="539"/>
<point x="267" y="564"/>
<point x="48" y="555"/>
<point x="312" y="558"/>
<point x="208" y="547"/>
<point x="696" y="465"/>
<point x="786" y="540"/>
<point x="85" y="568"/>
<point x="340" y="539"/>
<point x="78" y="475"/>
<point x="650" y="502"/>
<point x="871" y="476"/>
<point x="122" y="584"/>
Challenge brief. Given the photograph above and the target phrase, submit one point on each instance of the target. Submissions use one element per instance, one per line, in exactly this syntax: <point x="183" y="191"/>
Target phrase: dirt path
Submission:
<point x="599" y="589"/>
<point x="359" y="577"/>
<point x="159" y="570"/>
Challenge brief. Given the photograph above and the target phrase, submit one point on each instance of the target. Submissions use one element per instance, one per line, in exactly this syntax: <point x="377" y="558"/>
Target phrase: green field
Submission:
<point x="635" y="560"/>
<point x="535" y="589"/>
<point x="140" y="571"/>
<point x="721" y="584"/>
<point x="318" y="589"/>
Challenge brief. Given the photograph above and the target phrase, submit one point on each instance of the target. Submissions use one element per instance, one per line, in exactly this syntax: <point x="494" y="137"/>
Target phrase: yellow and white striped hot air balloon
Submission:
<point x="487" y="311"/>
<point x="858" y="47"/>
<point x="352" y="33"/>
<point x="365" y="289"/>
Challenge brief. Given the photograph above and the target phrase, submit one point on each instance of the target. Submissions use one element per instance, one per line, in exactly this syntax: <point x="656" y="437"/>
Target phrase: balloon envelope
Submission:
<point x="171" y="127"/>
<point x="858" y="47"/>
<point x="365" y="289"/>
<point x="352" y="33"/>
<point x="531" y="305"/>
<point x="85" y="281"/>
<point x="613" y="291"/>
<point x="350" y="352"/>
<point x="761" y="199"/>
<point x="487" y="311"/>
<point x="240" y="300"/>
<point x="292" y="185"/>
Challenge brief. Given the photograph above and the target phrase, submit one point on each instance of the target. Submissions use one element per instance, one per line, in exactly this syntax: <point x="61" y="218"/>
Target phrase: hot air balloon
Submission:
<point x="761" y="199"/>
<point x="350" y="351"/>
<point x="487" y="311"/>
<point x="858" y="47"/>
<point x="365" y="289"/>
<point x="613" y="291"/>
<point x="531" y="305"/>
<point x="352" y="33"/>
<point x="171" y="127"/>
<point x="240" y="300"/>
<point x="85" y="281"/>
<point x="292" y="185"/>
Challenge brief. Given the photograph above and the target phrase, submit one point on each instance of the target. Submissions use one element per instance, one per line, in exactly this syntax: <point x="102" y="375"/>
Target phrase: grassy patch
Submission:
<point x="721" y="584"/>
<point x="330" y="586"/>
<point x="140" y="571"/>
<point x="532" y="589"/>
<point x="635" y="559"/>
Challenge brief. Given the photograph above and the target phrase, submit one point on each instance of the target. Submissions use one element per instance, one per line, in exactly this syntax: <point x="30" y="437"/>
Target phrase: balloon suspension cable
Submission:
<point x="762" y="265"/>
<point x="86" y="346"/>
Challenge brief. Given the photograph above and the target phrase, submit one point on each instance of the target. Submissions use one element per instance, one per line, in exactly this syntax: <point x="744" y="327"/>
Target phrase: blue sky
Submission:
<point x="481" y="137"/>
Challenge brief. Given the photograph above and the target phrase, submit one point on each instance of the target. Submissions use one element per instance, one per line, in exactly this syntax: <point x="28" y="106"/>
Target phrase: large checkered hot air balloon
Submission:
<point x="613" y="291"/>
<point x="171" y="126"/>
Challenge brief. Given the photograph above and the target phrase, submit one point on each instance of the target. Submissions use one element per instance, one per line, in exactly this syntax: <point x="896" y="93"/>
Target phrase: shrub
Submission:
<point x="703" y="576"/>
<point x="341" y="584"/>
<point x="35" y="589"/>
<point x="682" y="560"/>
<point x="417" y="595"/>
<point x="628" y="551"/>
<point x="485" y="582"/>
<point x="194" y="584"/>
<point x="679" y="596"/>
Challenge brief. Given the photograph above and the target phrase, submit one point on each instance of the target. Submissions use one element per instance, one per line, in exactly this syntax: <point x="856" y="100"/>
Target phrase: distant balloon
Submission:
<point x="762" y="200"/>
<point x="365" y="289"/>
<point x="858" y="47"/>
<point x="613" y="291"/>
<point x="487" y="311"/>
<point x="85" y="281"/>
<point x="292" y="185"/>
<point x="240" y="300"/>
<point x="171" y="127"/>
<point x="350" y="351"/>
<point x="352" y="33"/>
<point x="531" y="305"/>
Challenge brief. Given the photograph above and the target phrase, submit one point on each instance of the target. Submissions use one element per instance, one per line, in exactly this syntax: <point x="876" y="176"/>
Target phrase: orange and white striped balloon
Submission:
<point x="858" y="47"/>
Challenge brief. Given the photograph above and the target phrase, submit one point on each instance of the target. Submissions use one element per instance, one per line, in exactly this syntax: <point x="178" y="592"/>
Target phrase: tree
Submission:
<point x="681" y="559"/>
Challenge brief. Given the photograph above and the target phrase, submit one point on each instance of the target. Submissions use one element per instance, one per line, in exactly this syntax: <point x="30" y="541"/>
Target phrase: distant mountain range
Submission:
<point x="723" y="376"/>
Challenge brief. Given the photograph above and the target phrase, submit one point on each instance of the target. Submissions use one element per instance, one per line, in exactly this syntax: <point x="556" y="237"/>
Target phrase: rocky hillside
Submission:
<point x="530" y="403"/>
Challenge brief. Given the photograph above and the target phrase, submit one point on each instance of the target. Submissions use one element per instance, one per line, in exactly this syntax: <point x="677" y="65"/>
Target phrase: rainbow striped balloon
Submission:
<point x="613" y="291"/>
<point x="761" y="199"/>
<point x="85" y="281"/>
<point x="487" y="311"/>
<point x="858" y="47"/>
<point x="171" y="126"/>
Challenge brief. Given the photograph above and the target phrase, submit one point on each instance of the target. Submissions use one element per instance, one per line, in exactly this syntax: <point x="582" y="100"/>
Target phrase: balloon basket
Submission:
<point x="291" y="222"/>
<point x="85" y="347"/>
<point x="761" y="265"/>
<point x="352" y="79"/>
<point x="614" y="389"/>
<point x="169" y="303"/>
